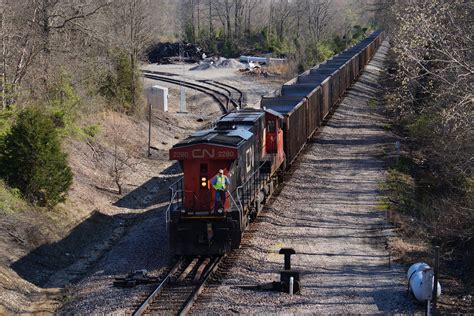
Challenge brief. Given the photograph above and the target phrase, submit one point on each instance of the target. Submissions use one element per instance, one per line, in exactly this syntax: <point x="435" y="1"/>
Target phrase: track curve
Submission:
<point x="213" y="93"/>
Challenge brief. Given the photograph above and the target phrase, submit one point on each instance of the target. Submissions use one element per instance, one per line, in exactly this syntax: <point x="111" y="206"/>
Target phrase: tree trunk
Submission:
<point x="228" y="22"/>
<point x="210" y="20"/>
<point x="198" y="22"/>
<point x="133" y="11"/>
<point x="46" y="30"/>
<point x="4" y="60"/>
<point x="193" y="32"/>
<point x="133" y="88"/>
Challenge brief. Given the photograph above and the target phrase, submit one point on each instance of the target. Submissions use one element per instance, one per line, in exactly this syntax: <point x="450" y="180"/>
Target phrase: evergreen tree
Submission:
<point x="31" y="159"/>
<point x="121" y="84"/>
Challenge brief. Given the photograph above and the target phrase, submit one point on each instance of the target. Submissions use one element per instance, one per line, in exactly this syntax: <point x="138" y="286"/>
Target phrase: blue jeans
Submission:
<point x="219" y="200"/>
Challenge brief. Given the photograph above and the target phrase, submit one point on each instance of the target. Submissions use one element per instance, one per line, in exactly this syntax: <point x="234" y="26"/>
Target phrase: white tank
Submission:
<point x="421" y="278"/>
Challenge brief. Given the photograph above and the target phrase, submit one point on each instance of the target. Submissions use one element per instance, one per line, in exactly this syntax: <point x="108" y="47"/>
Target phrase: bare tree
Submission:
<point x="432" y="98"/>
<point x="35" y="37"/>
<point x="122" y="159"/>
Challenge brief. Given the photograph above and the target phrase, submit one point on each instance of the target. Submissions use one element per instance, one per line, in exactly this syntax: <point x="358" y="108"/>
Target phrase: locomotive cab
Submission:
<point x="275" y="155"/>
<point x="236" y="145"/>
<point x="200" y="163"/>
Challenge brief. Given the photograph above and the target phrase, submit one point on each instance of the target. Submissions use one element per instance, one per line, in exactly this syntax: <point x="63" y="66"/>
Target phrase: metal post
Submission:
<point x="397" y="145"/>
<point x="291" y="287"/>
<point x="149" y="129"/>
<point x="287" y="252"/>
<point x="435" y="283"/>
<point x="182" y="99"/>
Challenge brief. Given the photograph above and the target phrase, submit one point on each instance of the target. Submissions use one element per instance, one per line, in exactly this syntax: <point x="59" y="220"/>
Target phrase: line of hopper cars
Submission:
<point x="254" y="147"/>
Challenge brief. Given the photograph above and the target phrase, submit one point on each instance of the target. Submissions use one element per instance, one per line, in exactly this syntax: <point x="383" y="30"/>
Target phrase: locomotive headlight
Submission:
<point x="203" y="182"/>
<point x="183" y="211"/>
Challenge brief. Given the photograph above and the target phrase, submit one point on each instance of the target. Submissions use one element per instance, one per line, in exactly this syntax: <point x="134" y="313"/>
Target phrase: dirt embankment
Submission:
<point x="69" y="257"/>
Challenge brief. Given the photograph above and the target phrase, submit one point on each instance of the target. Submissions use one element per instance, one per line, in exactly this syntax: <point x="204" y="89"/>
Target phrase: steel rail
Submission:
<point x="207" y="90"/>
<point x="188" y="300"/>
<point x="224" y="85"/>
<point x="220" y="85"/>
<point x="192" y="86"/>
<point x="194" y="296"/>
<point x="142" y="308"/>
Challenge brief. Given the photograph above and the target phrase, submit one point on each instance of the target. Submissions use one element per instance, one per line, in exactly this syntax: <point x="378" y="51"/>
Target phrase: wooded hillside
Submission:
<point x="430" y="97"/>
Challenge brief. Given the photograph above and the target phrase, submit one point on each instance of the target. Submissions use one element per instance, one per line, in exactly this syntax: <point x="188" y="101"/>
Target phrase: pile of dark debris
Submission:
<point x="168" y="53"/>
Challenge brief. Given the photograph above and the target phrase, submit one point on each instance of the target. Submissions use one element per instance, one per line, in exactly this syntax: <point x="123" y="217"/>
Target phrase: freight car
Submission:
<point x="253" y="147"/>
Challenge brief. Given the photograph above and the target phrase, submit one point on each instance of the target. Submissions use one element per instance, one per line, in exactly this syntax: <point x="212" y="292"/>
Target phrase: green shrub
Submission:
<point x="358" y="33"/>
<point x="423" y="126"/>
<point x="338" y="43"/>
<point x="63" y="101"/>
<point x="91" y="130"/>
<point x="11" y="200"/>
<point x="372" y="103"/>
<point x="400" y="188"/>
<point x="32" y="161"/>
<point x="6" y="119"/>
<point x="117" y="84"/>
<point x="317" y="52"/>
<point x="229" y="49"/>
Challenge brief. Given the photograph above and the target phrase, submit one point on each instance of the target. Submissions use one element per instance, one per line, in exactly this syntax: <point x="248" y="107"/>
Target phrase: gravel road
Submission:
<point x="326" y="211"/>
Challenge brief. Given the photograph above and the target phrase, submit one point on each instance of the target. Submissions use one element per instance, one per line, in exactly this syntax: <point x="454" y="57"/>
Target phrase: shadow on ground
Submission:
<point x="152" y="192"/>
<point x="42" y="264"/>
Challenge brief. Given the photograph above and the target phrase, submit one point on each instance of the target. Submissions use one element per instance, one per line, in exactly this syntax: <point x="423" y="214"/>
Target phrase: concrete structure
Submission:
<point x="182" y="100"/>
<point x="263" y="60"/>
<point x="157" y="97"/>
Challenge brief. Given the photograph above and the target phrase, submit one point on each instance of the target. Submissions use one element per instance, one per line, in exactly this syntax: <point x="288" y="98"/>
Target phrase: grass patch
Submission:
<point x="372" y="103"/>
<point x="386" y="127"/>
<point x="399" y="188"/>
<point x="383" y="204"/>
<point x="11" y="200"/>
<point x="91" y="130"/>
<point x="405" y="165"/>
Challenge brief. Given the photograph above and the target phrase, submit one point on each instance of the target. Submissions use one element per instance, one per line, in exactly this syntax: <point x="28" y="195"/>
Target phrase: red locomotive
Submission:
<point x="253" y="147"/>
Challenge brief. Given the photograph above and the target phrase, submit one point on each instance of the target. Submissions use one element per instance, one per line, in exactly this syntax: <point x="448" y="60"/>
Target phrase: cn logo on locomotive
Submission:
<point x="203" y="153"/>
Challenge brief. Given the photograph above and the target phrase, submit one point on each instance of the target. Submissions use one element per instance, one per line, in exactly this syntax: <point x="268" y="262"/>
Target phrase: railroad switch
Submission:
<point x="287" y="274"/>
<point x="289" y="279"/>
<point x="135" y="278"/>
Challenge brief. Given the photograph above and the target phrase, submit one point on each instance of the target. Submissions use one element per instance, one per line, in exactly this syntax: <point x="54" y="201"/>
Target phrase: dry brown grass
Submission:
<point x="282" y="69"/>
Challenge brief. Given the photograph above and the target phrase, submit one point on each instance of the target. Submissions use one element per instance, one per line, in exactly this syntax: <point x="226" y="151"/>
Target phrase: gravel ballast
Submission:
<point x="327" y="211"/>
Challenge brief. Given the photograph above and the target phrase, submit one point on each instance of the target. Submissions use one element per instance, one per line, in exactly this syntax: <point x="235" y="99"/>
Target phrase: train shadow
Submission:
<point x="152" y="192"/>
<point x="70" y="258"/>
<point x="40" y="264"/>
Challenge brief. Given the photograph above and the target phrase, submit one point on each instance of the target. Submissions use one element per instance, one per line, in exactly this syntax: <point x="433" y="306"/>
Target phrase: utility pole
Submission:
<point x="149" y="129"/>
<point x="182" y="100"/>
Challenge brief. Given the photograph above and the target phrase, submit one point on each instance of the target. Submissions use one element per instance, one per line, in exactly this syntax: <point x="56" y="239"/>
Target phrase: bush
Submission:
<point x="317" y="52"/>
<point x="32" y="161"/>
<point x="6" y="119"/>
<point x="11" y="200"/>
<point x="118" y="85"/>
<point x="91" y="130"/>
<point x="63" y="101"/>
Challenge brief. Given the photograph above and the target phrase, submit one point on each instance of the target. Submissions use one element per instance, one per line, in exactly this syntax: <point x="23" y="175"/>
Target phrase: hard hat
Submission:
<point x="221" y="171"/>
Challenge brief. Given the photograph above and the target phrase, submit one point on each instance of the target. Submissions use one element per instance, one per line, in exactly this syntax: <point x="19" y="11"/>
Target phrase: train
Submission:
<point x="254" y="147"/>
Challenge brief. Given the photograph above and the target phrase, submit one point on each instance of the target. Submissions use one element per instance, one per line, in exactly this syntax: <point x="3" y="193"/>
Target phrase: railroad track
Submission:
<point x="214" y="93"/>
<point x="230" y="89"/>
<point x="180" y="288"/>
